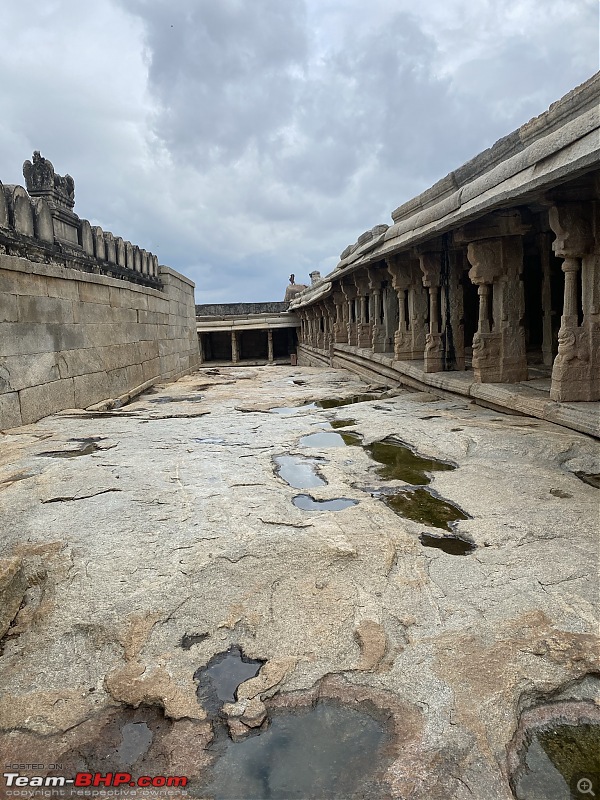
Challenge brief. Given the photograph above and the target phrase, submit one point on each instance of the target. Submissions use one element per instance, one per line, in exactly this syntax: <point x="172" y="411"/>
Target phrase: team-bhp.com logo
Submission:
<point x="16" y="781"/>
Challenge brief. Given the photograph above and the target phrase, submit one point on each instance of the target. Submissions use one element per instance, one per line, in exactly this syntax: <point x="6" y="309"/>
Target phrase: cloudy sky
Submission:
<point x="241" y="140"/>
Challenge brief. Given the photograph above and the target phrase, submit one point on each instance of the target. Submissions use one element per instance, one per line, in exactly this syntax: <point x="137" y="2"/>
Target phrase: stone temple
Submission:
<point x="342" y="545"/>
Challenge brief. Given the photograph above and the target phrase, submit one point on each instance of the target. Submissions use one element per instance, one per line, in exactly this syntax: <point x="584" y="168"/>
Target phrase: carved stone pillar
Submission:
<point x="270" y="346"/>
<point x="544" y="246"/>
<point x="350" y="295"/>
<point x="235" y="354"/>
<point x="499" y="344"/>
<point x="376" y="315"/>
<point x="200" y="349"/>
<point x="434" y="352"/>
<point x="364" y="330"/>
<point x="330" y="317"/>
<point x="409" y="338"/>
<point x="390" y="314"/>
<point x="340" y="330"/>
<point x="576" y="369"/>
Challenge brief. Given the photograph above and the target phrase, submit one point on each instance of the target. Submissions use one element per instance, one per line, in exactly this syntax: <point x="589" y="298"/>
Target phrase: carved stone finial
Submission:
<point x="42" y="181"/>
<point x="39" y="174"/>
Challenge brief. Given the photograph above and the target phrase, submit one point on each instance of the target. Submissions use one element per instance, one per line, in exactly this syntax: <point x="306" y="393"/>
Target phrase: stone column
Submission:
<point x="330" y="316"/>
<point x="544" y="247"/>
<point x="200" y="349"/>
<point x="430" y="263"/>
<point x="499" y="344"/>
<point x="377" y="327"/>
<point x="409" y="338"/>
<point x="350" y="294"/>
<point x="235" y="355"/>
<point x="340" y="330"/>
<point x="390" y="312"/>
<point x="270" y="346"/>
<point x="576" y="369"/>
<point x="364" y="330"/>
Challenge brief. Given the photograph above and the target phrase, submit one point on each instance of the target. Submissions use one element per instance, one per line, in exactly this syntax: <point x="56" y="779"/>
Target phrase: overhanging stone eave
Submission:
<point x="494" y="198"/>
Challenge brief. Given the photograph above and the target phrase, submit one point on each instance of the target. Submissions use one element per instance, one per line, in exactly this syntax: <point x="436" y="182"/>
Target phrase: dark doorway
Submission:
<point x="253" y="345"/>
<point x="216" y="346"/>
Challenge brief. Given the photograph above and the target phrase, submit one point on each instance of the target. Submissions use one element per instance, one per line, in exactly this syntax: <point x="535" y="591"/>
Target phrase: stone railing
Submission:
<point x="39" y="224"/>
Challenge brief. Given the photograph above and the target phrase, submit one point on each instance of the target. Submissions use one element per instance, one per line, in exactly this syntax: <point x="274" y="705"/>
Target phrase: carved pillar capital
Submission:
<point x="430" y="263"/>
<point x="572" y="227"/>
<point x="486" y="261"/>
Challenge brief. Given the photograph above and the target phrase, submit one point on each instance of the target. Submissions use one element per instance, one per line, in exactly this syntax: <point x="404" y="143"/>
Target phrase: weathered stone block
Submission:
<point x="10" y="410"/>
<point x="40" y="401"/>
<point x="72" y="363"/>
<point x="94" y="292"/>
<point x="45" y="309"/>
<point x="17" y="282"/>
<point x="13" y="585"/>
<point x="8" y="308"/>
<point x="90" y="389"/>
<point x="118" y="382"/>
<point x="135" y="376"/>
<point x="29" y="370"/>
<point x="151" y="369"/>
<point x="66" y="289"/>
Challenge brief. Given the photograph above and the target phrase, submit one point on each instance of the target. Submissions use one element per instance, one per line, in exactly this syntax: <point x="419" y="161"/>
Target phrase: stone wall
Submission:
<point x="85" y="316"/>
<point x="69" y="339"/>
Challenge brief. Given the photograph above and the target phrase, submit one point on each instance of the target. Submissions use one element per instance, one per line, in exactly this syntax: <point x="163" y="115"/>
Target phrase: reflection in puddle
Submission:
<point x="453" y="545"/>
<point x="294" y="409"/>
<point x="556" y="758"/>
<point x="325" y="752"/>
<point x="336" y="402"/>
<point x="330" y="439"/>
<point x="298" y="472"/>
<point x="401" y="463"/>
<point x="308" y="503"/>
<point x="136" y="741"/>
<point x="421" y="505"/>
<point x="219" y="679"/>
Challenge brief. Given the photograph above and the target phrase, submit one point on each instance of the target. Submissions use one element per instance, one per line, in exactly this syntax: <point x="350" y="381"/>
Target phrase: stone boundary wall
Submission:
<point x="69" y="339"/>
<point x="239" y="309"/>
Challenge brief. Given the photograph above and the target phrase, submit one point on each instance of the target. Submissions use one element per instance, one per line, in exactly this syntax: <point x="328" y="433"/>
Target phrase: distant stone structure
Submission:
<point x="246" y="333"/>
<point x="487" y="284"/>
<point x="85" y="317"/>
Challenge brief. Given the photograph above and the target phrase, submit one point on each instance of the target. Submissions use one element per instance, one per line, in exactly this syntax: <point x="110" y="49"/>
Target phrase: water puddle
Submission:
<point x="188" y="398"/>
<point x="86" y="448"/>
<point x="209" y="440"/>
<point x="336" y="402"/>
<point x="330" y="439"/>
<point x="342" y="423"/>
<point x="188" y="640"/>
<point x="590" y="479"/>
<point x="453" y="545"/>
<point x="401" y="463"/>
<point x="421" y="505"/>
<point x="298" y="472"/>
<point x="220" y="678"/>
<point x="561" y="763"/>
<point x="135" y="743"/>
<point x="326" y="751"/>
<point x="294" y="409"/>
<point x="308" y="503"/>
